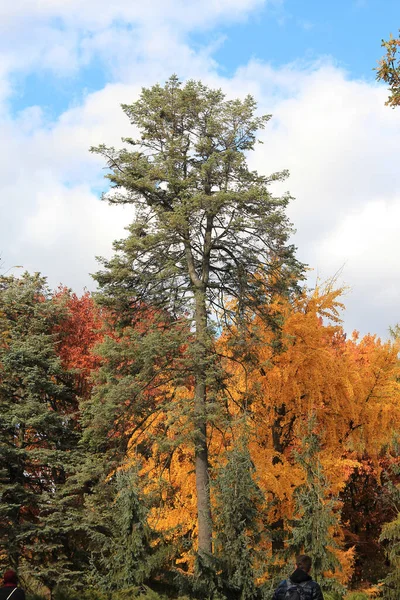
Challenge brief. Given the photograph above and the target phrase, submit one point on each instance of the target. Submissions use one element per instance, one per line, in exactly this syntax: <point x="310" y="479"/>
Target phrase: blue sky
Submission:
<point x="347" y="31"/>
<point x="66" y="66"/>
<point x="56" y="93"/>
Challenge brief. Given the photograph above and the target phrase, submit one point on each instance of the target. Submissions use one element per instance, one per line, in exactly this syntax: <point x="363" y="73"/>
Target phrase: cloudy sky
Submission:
<point x="67" y="65"/>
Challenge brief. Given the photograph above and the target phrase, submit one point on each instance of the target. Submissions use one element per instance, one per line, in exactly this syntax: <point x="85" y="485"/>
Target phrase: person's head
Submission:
<point x="303" y="562"/>
<point x="10" y="576"/>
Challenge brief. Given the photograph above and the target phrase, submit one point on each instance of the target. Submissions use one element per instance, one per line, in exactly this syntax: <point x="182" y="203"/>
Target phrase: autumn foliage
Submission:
<point x="79" y="331"/>
<point x="388" y="69"/>
<point x="349" y="386"/>
<point x="284" y="379"/>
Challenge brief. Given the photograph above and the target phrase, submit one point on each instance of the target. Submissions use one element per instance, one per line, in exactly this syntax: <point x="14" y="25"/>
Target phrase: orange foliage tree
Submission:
<point x="349" y="386"/>
<point x="82" y="328"/>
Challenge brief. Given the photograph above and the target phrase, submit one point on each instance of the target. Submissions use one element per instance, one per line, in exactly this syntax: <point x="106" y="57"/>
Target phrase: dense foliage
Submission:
<point x="92" y="497"/>
<point x="204" y="418"/>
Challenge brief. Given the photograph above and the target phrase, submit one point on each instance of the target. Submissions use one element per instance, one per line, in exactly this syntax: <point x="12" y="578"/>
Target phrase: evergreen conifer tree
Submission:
<point x="38" y="430"/>
<point x="207" y="231"/>
<point x="125" y="552"/>
<point x="239" y="504"/>
<point x="317" y="518"/>
<point x="390" y="537"/>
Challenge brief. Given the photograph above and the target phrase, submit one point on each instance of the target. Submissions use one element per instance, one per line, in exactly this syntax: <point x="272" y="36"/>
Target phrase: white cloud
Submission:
<point x="63" y="35"/>
<point x="67" y="229"/>
<point x="101" y="13"/>
<point x="52" y="219"/>
<point x="340" y="143"/>
<point x="368" y="239"/>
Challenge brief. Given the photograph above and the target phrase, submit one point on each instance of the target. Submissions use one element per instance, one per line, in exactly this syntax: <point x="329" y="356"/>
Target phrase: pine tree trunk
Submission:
<point x="201" y="452"/>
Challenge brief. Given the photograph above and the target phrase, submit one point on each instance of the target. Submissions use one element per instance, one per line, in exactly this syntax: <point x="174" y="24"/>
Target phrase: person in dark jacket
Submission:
<point x="300" y="580"/>
<point x="10" y="589"/>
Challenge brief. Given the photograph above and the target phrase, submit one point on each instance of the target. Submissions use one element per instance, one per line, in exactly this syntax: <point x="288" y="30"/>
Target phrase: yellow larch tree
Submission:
<point x="348" y="386"/>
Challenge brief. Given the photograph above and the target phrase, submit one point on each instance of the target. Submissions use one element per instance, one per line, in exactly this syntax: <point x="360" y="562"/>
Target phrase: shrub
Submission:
<point x="34" y="596"/>
<point x="136" y="592"/>
<point x="87" y="593"/>
<point x="356" y="596"/>
<point x="332" y="596"/>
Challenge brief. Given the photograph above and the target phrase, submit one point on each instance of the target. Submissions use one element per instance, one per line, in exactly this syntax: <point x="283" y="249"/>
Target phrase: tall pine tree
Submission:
<point x="207" y="231"/>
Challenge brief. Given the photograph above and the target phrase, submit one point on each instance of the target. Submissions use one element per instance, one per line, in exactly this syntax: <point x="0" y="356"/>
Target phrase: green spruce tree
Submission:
<point x="125" y="552"/>
<point x="390" y="537"/>
<point x="38" y="429"/>
<point x="239" y="505"/>
<point x="317" y="516"/>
